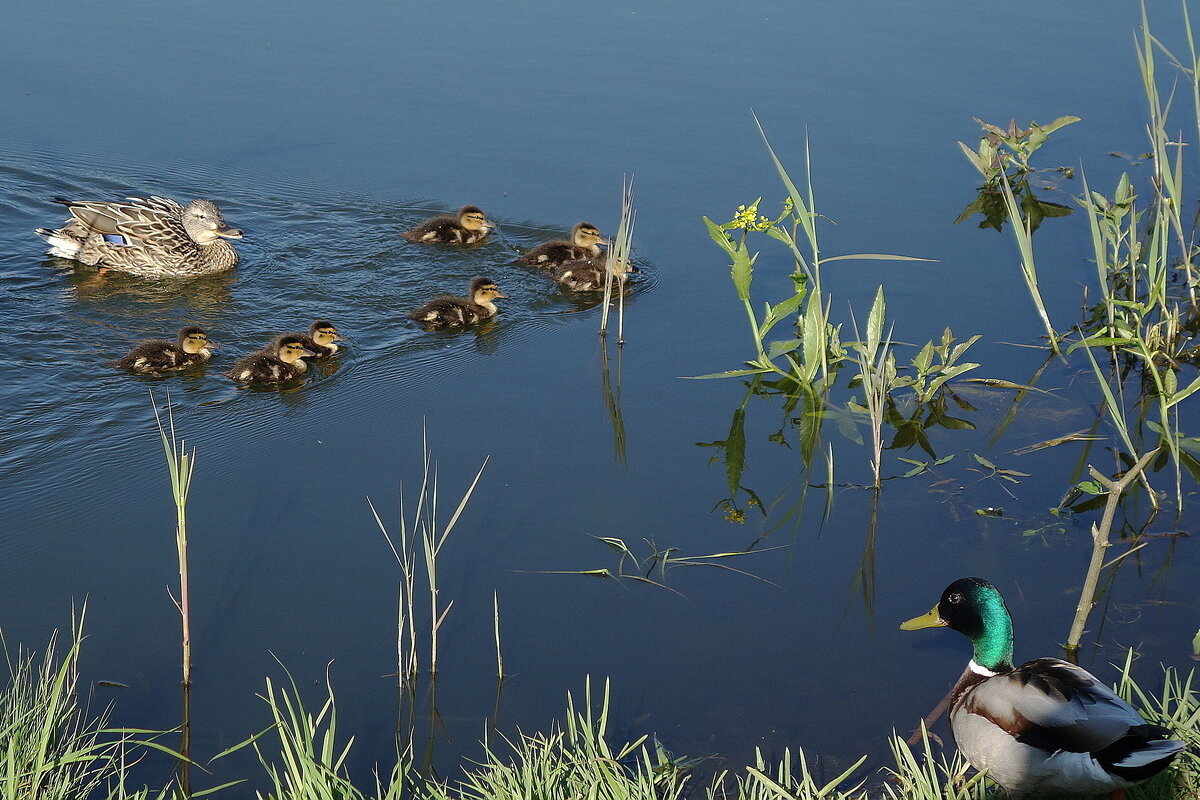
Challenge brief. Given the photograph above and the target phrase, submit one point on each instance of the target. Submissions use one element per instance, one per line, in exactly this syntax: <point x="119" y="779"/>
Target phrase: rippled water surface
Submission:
<point x="323" y="132"/>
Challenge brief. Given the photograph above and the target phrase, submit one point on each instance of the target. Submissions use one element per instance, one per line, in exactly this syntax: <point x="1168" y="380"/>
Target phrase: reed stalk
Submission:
<point x="1023" y="232"/>
<point x="496" y="627"/>
<point x="425" y="527"/>
<point x="1101" y="543"/>
<point x="877" y="372"/>
<point x="181" y="463"/>
<point x="617" y="262"/>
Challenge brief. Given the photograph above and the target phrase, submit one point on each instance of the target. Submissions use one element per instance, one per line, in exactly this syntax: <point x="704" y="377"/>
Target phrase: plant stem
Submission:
<point x="1100" y="543"/>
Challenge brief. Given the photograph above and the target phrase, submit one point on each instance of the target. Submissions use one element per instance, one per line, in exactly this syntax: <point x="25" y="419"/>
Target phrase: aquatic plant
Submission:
<point x="876" y="376"/>
<point x="307" y="760"/>
<point x="433" y="536"/>
<point x="571" y="761"/>
<point x="180" y="464"/>
<point x="1002" y="159"/>
<point x="617" y="262"/>
<point x="51" y="748"/>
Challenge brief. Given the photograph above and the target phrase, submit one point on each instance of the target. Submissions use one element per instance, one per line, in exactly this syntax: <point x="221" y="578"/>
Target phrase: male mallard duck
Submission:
<point x="584" y="245"/>
<point x="449" y="311"/>
<point x="151" y="357"/>
<point x="148" y="236"/>
<point x="589" y="275"/>
<point x="281" y="360"/>
<point x="1046" y="726"/>
<point x="321" y="339"/>
<point x="468" y="226"/>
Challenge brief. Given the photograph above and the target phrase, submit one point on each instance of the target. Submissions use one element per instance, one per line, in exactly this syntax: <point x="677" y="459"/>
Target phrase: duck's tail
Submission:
<point x="61" y="245"/>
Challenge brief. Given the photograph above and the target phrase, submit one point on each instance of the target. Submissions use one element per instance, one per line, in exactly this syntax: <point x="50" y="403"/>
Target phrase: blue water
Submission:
<point x="322" y="132"/>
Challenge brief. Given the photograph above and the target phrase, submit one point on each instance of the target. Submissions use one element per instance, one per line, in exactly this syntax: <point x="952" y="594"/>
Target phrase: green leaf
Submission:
<point x="1184" y="394"/>
<point x="1100" y="341"/>
<point x="875" y="257"/>
<point x="875" y="322"/>
<point x="733" y="373"/>
<point x="742" y="272"/>
<point x="815" y="345"/>
<point x="923" y="358"/>
<point x="983" y="461"/>
<point x="781" y="311"/>
<point x="719" y="236"/>
<point x="783" y="346"/>
<point x="735" y="450"/>
<point x="1090" y="487"/>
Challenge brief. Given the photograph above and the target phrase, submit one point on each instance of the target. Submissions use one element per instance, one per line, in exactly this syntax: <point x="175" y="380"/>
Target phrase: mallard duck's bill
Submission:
<point x="501" y="294"/>
<point x="229" y="233"/>
<point x="930" y="620"/>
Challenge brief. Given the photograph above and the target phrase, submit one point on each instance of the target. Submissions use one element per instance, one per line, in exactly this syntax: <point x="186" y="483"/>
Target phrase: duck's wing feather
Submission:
<point x="111" y="217"/>
<point x="1053" y="705"/>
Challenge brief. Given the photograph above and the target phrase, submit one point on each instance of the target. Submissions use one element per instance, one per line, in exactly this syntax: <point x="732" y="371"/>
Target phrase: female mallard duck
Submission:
<point x="1046" y="726"/>
<point x="590" y="275"/>
<point x="584" y="246"/>
<point x="148" y="236"/>
<point x="448" y="311"/>
<point x="151" y="357"/>
<point x="468" y="226"/>
<point x="281" y="360"/>
<point x="321" y="339"/>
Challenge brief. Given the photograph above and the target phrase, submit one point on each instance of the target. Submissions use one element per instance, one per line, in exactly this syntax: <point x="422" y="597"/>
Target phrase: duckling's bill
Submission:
<point x="929" y="620"/>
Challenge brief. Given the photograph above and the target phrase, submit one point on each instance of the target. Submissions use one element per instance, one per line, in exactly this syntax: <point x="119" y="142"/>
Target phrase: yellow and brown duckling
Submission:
<point x="281" y="360"/>
<point x="449" y="311"/>
<point x="468" y="226"/>
<point x="147" y="236"/>
<point x="151" y="357"/>
<point x="583" y="246"/>
<point x="590" y="275"/>
<point x="321" y="339"/>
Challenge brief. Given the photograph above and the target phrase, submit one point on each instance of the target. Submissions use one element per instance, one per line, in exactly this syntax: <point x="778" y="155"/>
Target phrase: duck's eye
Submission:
<point x="955" y="598"/>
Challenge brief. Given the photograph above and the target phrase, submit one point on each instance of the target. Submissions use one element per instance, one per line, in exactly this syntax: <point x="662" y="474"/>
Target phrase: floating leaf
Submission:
<point x="983" y="461"/>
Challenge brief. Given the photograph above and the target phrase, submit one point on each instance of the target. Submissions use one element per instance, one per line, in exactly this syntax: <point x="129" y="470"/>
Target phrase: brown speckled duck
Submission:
<point x="589" y="275"/>
<point x="281" y="360"/>
<point x="1047" y="727"/>
<point x="448" y="311"/>
<point x="147" y="236"/>
<point x="151" y="357"/>
<point x="583" y="246"/>
<point x="321" y="339"/>
<point x="468" y="226"/>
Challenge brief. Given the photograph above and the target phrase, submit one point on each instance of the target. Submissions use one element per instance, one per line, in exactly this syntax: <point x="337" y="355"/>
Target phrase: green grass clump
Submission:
<point x="50" y="749"/>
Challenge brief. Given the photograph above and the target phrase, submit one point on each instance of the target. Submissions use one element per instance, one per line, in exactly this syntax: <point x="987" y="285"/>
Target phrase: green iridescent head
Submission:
<point x="974" y="608"/>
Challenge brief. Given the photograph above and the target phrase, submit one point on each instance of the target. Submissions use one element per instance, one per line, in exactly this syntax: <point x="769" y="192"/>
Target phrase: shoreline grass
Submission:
<point x="53" y="751"/>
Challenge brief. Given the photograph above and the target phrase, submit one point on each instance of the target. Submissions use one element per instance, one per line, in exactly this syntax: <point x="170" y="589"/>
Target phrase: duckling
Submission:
<point x="147" y="236"/>
<point x="589" y="275"/>
<point x="151" y="357"/>
<point x="281" y="360"/>
<point x="321" y="339"/>
<point x="449" y="311"/>
<point x="1047" y="726"/>
<point x="584" y="245"/>
<point x="468" y="226"/>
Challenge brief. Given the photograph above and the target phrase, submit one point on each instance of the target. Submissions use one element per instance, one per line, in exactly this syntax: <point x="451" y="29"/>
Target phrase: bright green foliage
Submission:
<point x="570" y="764"/>
<point x="50" y="749"/>
<point x="1002" y="158"/>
